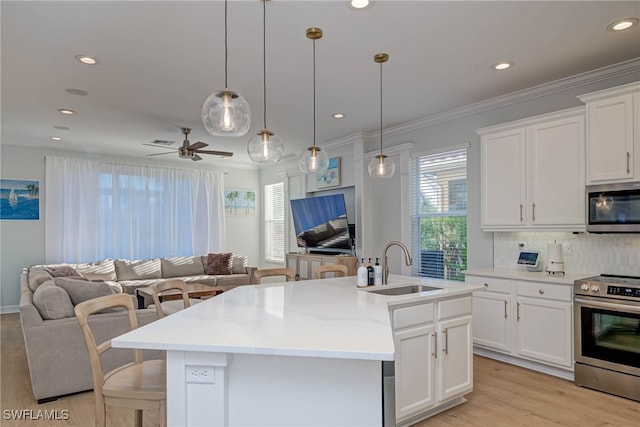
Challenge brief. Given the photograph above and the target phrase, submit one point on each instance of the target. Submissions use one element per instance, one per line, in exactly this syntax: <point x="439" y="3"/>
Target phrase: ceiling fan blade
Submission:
<point x="197" y="146"/>
<point x="160" y="146"/>
<point x="195" y="157"/>
<point x="160" y="154"/>
<point x="217" y="153"/>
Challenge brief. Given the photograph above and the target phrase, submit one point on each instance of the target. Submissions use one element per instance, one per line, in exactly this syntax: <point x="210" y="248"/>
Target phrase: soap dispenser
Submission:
<point x="377" y="273"/>
<point x="362" y="275"/>
<point x="370" y="273"/>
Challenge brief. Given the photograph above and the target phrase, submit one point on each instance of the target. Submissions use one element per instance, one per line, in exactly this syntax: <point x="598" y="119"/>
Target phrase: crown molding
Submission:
<point x="394" y="149"/>
<point x="593" y="76"/>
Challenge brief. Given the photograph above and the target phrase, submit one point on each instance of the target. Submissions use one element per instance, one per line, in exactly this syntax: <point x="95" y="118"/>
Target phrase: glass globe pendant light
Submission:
<point x="381" y="166"/>
<point x="225" y="112"/>
<point x="313" y="159"/>
<point x="265" y="146"/>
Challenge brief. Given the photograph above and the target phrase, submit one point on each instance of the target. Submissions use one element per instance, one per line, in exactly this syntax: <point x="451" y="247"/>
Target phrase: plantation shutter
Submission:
<point x="274" y="222"/>
<point x="439" y="214"/>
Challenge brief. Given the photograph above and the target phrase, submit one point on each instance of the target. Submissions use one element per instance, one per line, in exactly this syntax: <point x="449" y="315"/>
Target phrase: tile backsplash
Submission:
<point x="590" y="254"/>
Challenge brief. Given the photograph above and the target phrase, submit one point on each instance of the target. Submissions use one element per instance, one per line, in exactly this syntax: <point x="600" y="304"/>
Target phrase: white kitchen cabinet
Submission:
<point x="613" y="134"/>
<point x="516" y="320"/>
<point x="544" y="317"/>
<point x="434" y="357"/>
<point x="533" y="173"/>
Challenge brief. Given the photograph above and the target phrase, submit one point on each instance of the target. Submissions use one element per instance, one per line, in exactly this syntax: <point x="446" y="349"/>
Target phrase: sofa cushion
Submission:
<point x="232" y="280"/>
<point x="80" y="290"/>
<point x="218" y="263"/>
<point x="38" y="276"/>
<point x="181" y="266"/>
<point x="101" y="270"/>
<point x="64" y="271"/>
<point x="138" y="270"/>
<point x="52" y="301"/>
<point x="239" y="264"/>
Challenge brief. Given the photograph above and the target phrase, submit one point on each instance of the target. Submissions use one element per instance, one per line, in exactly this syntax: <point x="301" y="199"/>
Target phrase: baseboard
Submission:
<point x="6" y="309"/>
<point x="524" y="363"/>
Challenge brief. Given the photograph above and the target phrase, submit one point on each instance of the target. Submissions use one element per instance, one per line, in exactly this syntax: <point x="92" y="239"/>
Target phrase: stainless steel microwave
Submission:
<point x="613" y="208"/>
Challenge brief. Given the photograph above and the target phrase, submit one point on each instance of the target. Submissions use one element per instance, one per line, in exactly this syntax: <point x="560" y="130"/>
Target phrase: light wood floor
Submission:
<point x="504" y="395"/>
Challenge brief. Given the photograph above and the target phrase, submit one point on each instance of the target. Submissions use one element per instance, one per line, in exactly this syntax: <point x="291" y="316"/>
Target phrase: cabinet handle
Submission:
<point x="446" y="342"/>
<point x="505" y="310"/>
<point x="628" y="162"/>
<point x="540" y="291"/>
<point x="435" y="345"/>
<point x="518" y="312"/>
<point x="533" y="212"/>
<point x="521" y="212"/>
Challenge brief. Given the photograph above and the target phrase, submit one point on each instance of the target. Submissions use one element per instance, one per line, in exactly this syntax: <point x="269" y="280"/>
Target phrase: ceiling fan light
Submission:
<point x="313" y="160"/>
<point x="265" y="147"/>
<point x="226" y="113"/>
<point x="381" y="166"/>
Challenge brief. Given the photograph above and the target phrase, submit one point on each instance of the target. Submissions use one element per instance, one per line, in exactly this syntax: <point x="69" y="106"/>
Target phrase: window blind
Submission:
<point x="274" y="222"/>
<point x="439" y="214"/>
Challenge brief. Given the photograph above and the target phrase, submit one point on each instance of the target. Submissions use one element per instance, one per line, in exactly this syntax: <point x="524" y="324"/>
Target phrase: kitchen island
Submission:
<point x="293" y="353"/>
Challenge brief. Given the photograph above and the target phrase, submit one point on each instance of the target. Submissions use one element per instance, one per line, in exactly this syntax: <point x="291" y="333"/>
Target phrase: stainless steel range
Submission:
<point x="607" y="334"/>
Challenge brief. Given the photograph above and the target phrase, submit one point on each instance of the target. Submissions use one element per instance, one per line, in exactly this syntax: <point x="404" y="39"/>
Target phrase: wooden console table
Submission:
<point x="304" y="264"/>
<point x="195" y="290"/>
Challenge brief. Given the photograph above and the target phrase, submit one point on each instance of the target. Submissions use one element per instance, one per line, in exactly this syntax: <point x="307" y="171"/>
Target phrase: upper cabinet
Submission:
<point x="613" y="134"/>
<point x="533" y="174"/>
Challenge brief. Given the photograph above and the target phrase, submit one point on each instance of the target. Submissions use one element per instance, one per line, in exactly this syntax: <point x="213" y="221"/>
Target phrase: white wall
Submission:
<point x="22" y="242"/>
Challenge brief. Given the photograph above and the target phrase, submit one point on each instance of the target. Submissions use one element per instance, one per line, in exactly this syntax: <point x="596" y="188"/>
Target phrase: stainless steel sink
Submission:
<point x="405" y="290"/>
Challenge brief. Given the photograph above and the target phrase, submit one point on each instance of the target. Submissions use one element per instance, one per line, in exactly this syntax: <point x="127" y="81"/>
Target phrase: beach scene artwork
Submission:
<point x="239" y="202"/>
<point x="19" y="199"/>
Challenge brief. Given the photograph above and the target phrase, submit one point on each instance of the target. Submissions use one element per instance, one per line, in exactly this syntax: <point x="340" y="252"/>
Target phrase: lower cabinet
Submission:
<point x="525" y="319"/>
<point x="434" y="358"/>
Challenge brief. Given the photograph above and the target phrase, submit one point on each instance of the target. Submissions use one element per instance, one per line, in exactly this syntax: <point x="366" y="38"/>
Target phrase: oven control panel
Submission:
<point x="623" y="291"/>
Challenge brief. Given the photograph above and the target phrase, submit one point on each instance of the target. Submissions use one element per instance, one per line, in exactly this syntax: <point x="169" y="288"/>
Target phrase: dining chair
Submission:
<point x="164" y="308"/>
<point x="338" y="270"/>
<point x="265" y="272"/>
<point x="139" y="385"/>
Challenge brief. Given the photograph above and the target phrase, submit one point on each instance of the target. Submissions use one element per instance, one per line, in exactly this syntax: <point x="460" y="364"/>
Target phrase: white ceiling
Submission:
<point x="159" y="60"/>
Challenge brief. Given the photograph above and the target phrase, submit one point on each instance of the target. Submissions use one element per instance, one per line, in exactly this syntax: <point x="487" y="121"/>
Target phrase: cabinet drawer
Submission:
<point x="491" y="284"/>
<point x="544" y="290"/>
<point x="454" y="307"/>
<point x="411" y="316"/>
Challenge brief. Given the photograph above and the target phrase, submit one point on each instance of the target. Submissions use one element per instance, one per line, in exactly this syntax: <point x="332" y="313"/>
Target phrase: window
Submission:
<point x="439" y="214"/>
<point x="274" y="222"/>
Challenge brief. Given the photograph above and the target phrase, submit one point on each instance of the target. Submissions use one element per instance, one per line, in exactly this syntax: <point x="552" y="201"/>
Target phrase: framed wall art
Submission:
<point x="19" y="199"/>
<point x="239" y="202"/>
<point x="332" y="177"/>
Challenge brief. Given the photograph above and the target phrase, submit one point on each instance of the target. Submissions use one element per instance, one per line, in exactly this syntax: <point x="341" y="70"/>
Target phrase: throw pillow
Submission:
<point x="218" y="263"/>
<point x="52" y="302"/>
<point x="38" y="276"/>
<point x="80" y="290"/>
<point x="239" y="264"/>
<point x="64" y="271"/>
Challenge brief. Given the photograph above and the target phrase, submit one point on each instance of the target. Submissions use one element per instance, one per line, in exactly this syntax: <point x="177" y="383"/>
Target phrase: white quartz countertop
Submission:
<point x="538" y="276"/>
<point x="313" y="318"/>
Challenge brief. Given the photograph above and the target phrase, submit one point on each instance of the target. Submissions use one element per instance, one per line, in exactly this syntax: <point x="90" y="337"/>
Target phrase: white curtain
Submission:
<point x="96" y="210"/>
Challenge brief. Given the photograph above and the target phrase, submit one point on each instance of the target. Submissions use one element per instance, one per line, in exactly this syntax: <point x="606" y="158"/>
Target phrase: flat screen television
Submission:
<point x="321" y="224"/>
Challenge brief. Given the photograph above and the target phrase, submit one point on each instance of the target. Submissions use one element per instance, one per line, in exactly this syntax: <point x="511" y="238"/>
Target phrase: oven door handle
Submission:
<point x="616" y="307"/>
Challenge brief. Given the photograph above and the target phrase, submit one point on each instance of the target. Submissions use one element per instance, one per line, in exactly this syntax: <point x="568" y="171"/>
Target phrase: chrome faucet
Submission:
<point x="385" y="267"/>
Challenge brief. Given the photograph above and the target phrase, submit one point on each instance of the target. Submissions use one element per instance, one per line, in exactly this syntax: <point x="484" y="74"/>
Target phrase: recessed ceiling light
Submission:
<point x="622" y="24"/>
<point x="360" y="4"/>
<point x="56" y="138"/>
<point x="78" y="92"/>
<point x="338" y="116"/>
<point x="61" y="127"/>
<point x="502" y="66"/>
<point x="86" y="59"/>
<point x="66" y="111"/>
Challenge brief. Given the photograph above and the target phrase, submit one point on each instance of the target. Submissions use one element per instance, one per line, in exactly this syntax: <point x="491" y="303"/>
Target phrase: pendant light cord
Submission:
<point x="264" y="59"/>
<point x="226" y="86"/>
<point x="381" y="108"/>
<point x="314" y="92"/>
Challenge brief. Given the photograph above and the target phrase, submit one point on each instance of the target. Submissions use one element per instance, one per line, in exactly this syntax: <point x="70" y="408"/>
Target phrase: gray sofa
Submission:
<point x="56" y="352"/>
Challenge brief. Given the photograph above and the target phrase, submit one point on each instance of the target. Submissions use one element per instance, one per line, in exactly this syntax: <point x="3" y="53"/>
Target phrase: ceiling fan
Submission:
<point x="191" y="151"/>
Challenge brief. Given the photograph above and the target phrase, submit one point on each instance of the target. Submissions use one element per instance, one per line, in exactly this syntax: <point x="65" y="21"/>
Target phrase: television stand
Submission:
<point x="304" y="264"/>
